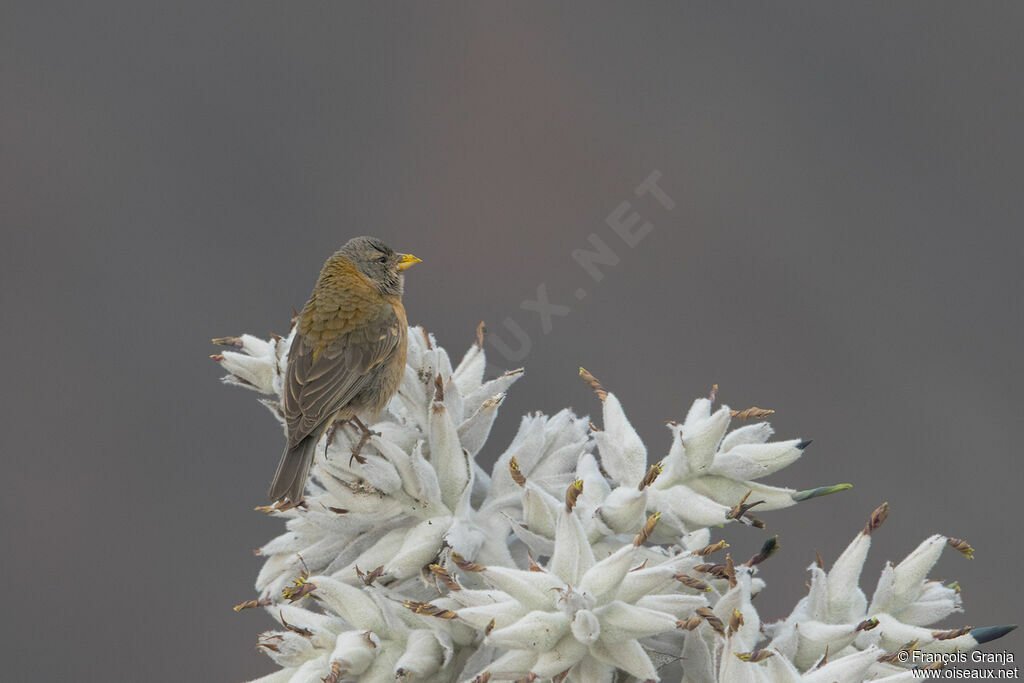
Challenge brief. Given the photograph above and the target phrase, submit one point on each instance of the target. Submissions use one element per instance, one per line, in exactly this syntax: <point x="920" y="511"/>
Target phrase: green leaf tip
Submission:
<point x="820" y="491"/>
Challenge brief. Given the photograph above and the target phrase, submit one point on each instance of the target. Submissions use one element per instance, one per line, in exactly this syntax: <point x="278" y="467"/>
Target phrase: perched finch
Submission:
<point x="348" y="355"/>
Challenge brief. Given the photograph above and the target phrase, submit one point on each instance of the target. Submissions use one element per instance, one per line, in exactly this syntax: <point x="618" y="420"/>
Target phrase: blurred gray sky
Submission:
<point x="845" y="248"/>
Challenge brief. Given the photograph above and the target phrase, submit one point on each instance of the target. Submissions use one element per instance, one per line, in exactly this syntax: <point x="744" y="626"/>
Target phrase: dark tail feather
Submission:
<point x="290" y="479"/>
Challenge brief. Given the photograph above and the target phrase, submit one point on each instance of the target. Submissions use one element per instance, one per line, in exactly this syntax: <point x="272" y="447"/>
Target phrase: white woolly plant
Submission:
<point x="409" y="562"/>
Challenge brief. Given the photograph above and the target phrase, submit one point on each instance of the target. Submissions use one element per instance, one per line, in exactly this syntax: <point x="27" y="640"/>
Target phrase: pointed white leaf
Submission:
<point x="604" y="578"/>
<point x="780" y="670"/>
<point x="470" y="372"/>
<point x="447" y="457"/>
<point x="623" y="453"/>
<point x="538" y="545"/>
<point x="675" y="467"/>
<point x="627" y="655"/>
<point x="815" y="637"/>
<point x="723" y="490"/>
<point x="428" y="485"/>
<point x="702" y="432"/>
<point x="537" y="631"/>
<point x="504" y="613"/>
<point x="620" y="621"/>
<point x="815" y="605"/>
<point x="498" y="385"/>
<point x="735" y="670"/>
<point x="655" y="579"/>
<point x="421" y="545"/>
<point x="752" y="461"/>
<point x="453" y="400"/>
<point x="353" y="604"/>
<point x="690" y="506"/>
<point x="624" y="509"/>
<point x="701" y="664"/>
<point x="256" y="372"/>
<point x="573" y="555"/>
<point x="595" y="486"/>
<point x="475" y="429"/>
<point x="375" y="471"/>
<point x="911" y="573"/>
<point x="378" y="554"/>
<point x="562" y="657"/>
<point x="737" y="599"/>
<point x="935" y="602"/>
<point x="535" y="590"/>
<point x="559" y="461"/>
<point x="413" y="396"/>
<point x="679" y="605"/>
<point x="846" y="601"/>
<point x="423" y="655"/>
<point x="885" y="591"/>
<point x="312" y="671"/>
<point x="465" y="538"/>
<point x="891" y="634"/>
<point x="695" y="540"/>
<point x="402" y="463"/>
<point x="512" y="665"/>
<point x="592" y="670"/>
<point x="527" y="447"/>
<point x="754" y="433"/>
<point x="355" y="651"/>
<point x="540" y="510"/>
<point x="586" y="627"/>
<point x="289" y="649"/>
<point x="849" y="669"/>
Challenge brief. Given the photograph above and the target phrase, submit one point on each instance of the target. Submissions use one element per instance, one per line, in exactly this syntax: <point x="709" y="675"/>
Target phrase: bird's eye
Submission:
<point x="382" y="259"/>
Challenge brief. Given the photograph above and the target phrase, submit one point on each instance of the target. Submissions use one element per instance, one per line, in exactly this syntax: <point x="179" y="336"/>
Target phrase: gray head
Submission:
<point x="379" y="262"/>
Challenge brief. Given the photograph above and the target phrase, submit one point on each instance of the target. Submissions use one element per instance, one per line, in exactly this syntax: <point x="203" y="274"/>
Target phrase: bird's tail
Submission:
<point x="292" y="471"/>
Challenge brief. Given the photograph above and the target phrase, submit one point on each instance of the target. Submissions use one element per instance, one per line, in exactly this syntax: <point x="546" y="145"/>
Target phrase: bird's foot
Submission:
<point x="358" y="447"/>
<point x="332" y="430"/>
<point x="366" y="434"/>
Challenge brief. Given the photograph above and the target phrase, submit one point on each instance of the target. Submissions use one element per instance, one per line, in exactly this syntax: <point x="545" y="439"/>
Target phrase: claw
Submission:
<point x="331" y="431"/>
<point x="361" y="459"/>
<point x="366" y="434"/>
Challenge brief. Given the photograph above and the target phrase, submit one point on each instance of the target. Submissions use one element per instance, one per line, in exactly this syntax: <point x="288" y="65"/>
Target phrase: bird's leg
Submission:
<point x="367" y="433"/>
<point x="363" y="428"/>
<point x="335" y="426"/>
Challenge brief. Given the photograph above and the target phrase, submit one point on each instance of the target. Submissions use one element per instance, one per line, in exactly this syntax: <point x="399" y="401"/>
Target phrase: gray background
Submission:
<point x="845" y="249"/>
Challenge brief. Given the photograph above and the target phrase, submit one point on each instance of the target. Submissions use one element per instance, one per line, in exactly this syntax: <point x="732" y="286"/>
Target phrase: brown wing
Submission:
<point x="318" y="384"/>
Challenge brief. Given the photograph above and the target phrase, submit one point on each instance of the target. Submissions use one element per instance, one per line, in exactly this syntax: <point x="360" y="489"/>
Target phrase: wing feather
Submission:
<point x="320" y="384"/>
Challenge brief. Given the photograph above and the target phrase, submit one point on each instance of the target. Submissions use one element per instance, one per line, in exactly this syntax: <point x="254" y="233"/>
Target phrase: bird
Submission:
<point x="347" y="357"/>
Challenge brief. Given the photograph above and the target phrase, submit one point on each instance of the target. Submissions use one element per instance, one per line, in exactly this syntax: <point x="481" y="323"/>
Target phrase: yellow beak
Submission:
<point x="408" y="261"/>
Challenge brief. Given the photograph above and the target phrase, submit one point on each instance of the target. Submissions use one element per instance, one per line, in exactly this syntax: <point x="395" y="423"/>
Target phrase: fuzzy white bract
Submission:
<point x="574" y="559"/>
